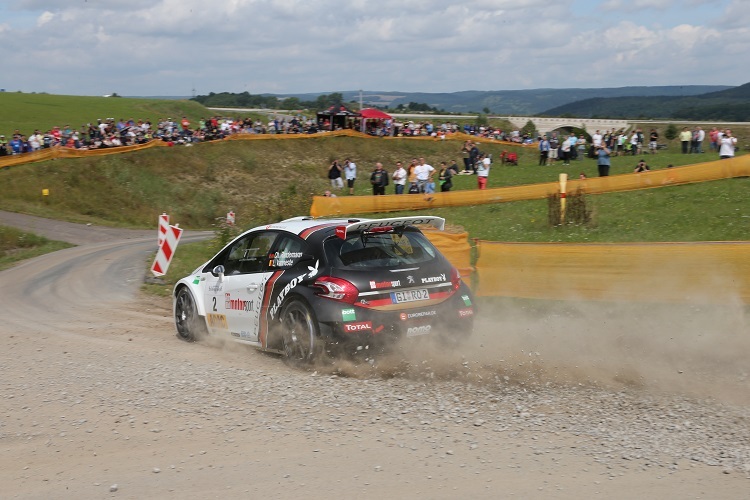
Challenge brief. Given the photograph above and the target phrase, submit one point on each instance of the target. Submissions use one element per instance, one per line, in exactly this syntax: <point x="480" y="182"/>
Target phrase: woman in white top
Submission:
<point x="727" y="145"/>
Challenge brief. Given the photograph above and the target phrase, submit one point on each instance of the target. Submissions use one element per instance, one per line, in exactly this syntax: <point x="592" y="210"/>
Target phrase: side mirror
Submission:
<point x="218" y="271"/>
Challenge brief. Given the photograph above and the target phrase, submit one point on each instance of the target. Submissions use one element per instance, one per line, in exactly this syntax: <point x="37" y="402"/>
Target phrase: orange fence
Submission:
<point x="707" y="272"/>
<point x="63" y="152"/>
<point x="720" y="169"/>
<point x="455" y="247"/>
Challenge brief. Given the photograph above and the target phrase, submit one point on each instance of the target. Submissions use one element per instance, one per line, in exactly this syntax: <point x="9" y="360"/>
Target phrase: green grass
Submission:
<point x="29" y="112"/>
<point x="16" y="246"/>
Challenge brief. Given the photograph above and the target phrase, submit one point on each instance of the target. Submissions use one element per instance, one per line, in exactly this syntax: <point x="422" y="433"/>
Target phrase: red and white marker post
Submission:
<point x="166" y="251"/>
<point x="163" y="228"/>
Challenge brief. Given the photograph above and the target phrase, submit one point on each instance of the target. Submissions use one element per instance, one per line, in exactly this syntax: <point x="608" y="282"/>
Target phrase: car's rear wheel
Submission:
<point x="190" y="326"/>
<point x="299" y="337"/>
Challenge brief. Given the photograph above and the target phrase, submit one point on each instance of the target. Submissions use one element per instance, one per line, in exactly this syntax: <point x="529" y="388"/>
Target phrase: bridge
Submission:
<point x="590" y="125"/>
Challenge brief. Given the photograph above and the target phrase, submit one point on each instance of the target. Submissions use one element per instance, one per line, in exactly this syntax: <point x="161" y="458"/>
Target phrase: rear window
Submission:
<point x="361" y="251"/>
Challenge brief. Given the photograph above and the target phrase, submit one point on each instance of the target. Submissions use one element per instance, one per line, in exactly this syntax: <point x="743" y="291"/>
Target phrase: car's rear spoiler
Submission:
<point x="364" y="225"/>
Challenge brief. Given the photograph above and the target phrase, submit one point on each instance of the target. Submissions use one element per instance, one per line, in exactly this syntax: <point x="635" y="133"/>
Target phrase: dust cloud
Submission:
<point x="696" y="350"/>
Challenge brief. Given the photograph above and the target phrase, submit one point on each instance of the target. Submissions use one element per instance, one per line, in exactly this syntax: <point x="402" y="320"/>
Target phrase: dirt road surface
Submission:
<point x="99" y="399"/>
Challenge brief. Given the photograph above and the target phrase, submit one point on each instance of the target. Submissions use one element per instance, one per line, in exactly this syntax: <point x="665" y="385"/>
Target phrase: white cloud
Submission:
<point x="163" y="47"/>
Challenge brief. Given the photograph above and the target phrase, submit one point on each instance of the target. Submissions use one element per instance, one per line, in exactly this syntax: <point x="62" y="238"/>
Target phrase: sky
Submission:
<point x="193" y="47"/>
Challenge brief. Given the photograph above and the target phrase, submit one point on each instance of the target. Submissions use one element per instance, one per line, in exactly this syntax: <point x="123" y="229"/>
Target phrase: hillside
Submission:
<point x="502" y="102"/>
<point x="731" y="105"/>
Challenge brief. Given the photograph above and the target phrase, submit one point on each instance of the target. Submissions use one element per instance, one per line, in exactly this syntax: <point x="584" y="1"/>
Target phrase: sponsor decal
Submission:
<point x="348" y="315"/>
<point x="341" y="232"/>
<point x="463" y="313"/>
<point x="413" y="331"/>
<point x="284" y="259"/>
<point x="216" y="287"/>
<point x="467" y="300"/>
<point x="196" y="280"/>
<point x="420" y="314"/>
<point x="283" y="293"/>
<point x="358" y="326"/>
<point x="384" y="284"/>
<point x="217" y="321"/>
<point x="434" y="279"/>
<point x="231" y="304"/>
<point x="235" y="334"/>
<point x="313" y="270"/>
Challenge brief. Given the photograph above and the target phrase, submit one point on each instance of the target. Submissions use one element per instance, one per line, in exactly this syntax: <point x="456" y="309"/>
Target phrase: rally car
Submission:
<point x="308" y="287"/>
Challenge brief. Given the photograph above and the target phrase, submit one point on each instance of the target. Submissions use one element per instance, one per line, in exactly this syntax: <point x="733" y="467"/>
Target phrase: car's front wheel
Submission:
<point x="300" y="341"/>
<point x="190" y="325"/>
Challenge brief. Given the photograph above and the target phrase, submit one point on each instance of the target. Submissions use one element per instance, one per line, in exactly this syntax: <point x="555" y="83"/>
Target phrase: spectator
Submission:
<point x="378" y="179"/>
<point x="453" y="166"/>
<point x="445" y="177"/>
<point x="653" y="141"/>
<point x="685" y="138"/>
<point x="411" y="176"/>
<point x="423" y="173"/>
<point x="399" y="178"/>
<point x="641" y="167"/>
<point x="329" y="194"/>
<point x="466" y="153"/>
<point x="474" y="157"/>
<point x="727" y="145"/>
<point x="483" y="171"/>
<point x="543" y="151"/>
<point x="350" y="172"/>
<point x="334" y="174"/>
<point x="554" y="148"/>
<point x="603" y="160"/>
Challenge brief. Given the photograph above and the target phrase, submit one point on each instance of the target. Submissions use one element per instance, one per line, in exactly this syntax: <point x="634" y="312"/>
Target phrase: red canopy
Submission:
<point x="372" y="113"/>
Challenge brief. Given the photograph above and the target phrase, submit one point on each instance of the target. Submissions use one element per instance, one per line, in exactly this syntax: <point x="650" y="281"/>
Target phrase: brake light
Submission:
<point x="455" y="279"/>
<point x="336" y="289"/>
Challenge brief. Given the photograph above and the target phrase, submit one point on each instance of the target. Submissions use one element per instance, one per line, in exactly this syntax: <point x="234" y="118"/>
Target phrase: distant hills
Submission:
<point x="512" y="102"/>
<point x="732" y="104"/>
<point x="686" y="102"/>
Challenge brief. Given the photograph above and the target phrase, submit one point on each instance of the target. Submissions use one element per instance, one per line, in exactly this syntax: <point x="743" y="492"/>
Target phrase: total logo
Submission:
<point x="413" y="331"/>
<point x="358" y="326"/>
<point x="384" y="284"/>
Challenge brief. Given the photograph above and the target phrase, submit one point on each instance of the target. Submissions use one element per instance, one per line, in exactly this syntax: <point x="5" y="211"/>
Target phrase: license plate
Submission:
<point x="410" y="296"/>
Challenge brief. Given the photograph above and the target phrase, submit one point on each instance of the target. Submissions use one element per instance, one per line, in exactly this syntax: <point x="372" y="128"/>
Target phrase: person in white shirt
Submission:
<point x="596" y="139"/>
<point x="483" y="171"/>
<point x="399" y="178"/>
<point x="727" y="145"/>
<point x="424" y="173"/>
<point x="350" y="172"/>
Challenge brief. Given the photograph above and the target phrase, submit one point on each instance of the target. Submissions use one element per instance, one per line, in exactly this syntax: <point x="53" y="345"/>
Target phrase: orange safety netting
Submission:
<point x="720" y="169"/>
<point x="63" y="152"/>
<point x="714" y="272"/>
<point x="455" y="247"/>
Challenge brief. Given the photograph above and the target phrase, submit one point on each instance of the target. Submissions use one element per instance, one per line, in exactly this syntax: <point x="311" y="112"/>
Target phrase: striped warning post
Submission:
<point x="163" y="226"/>
<point x="166" y="251"/>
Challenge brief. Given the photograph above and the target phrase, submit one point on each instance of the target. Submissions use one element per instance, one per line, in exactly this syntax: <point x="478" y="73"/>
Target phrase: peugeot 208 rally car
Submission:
<point x="305" y="286"/>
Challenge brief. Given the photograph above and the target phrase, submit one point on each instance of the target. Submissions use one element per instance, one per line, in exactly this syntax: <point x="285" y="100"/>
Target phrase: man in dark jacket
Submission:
<point x="379" y="179"/>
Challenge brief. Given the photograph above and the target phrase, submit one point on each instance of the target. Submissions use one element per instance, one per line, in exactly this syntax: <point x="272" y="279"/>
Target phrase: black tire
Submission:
<point x="190" y="326"/>
<point x="300" y="341"/>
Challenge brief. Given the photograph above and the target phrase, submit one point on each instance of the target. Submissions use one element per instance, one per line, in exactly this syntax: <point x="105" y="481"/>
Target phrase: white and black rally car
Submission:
<point x="305" y="286"/>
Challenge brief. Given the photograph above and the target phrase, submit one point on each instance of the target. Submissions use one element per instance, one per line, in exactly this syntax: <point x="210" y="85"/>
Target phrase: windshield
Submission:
<point x="368" y="250"/>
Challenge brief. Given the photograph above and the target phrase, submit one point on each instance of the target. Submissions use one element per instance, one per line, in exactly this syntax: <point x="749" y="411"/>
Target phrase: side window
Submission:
<point x="288" y="252"/>
<point x="250" y="254"/>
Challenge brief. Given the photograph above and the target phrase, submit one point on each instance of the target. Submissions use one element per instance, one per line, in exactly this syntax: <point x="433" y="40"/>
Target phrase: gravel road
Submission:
<point x="100" y="400"/>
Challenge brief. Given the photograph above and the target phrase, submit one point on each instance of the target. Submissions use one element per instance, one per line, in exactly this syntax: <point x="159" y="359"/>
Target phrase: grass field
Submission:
<point x="29" y="112"/>
<point x="271" y="179"/>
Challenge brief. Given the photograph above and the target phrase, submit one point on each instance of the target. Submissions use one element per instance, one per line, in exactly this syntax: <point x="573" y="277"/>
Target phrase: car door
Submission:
<point x="233" y="299"/>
